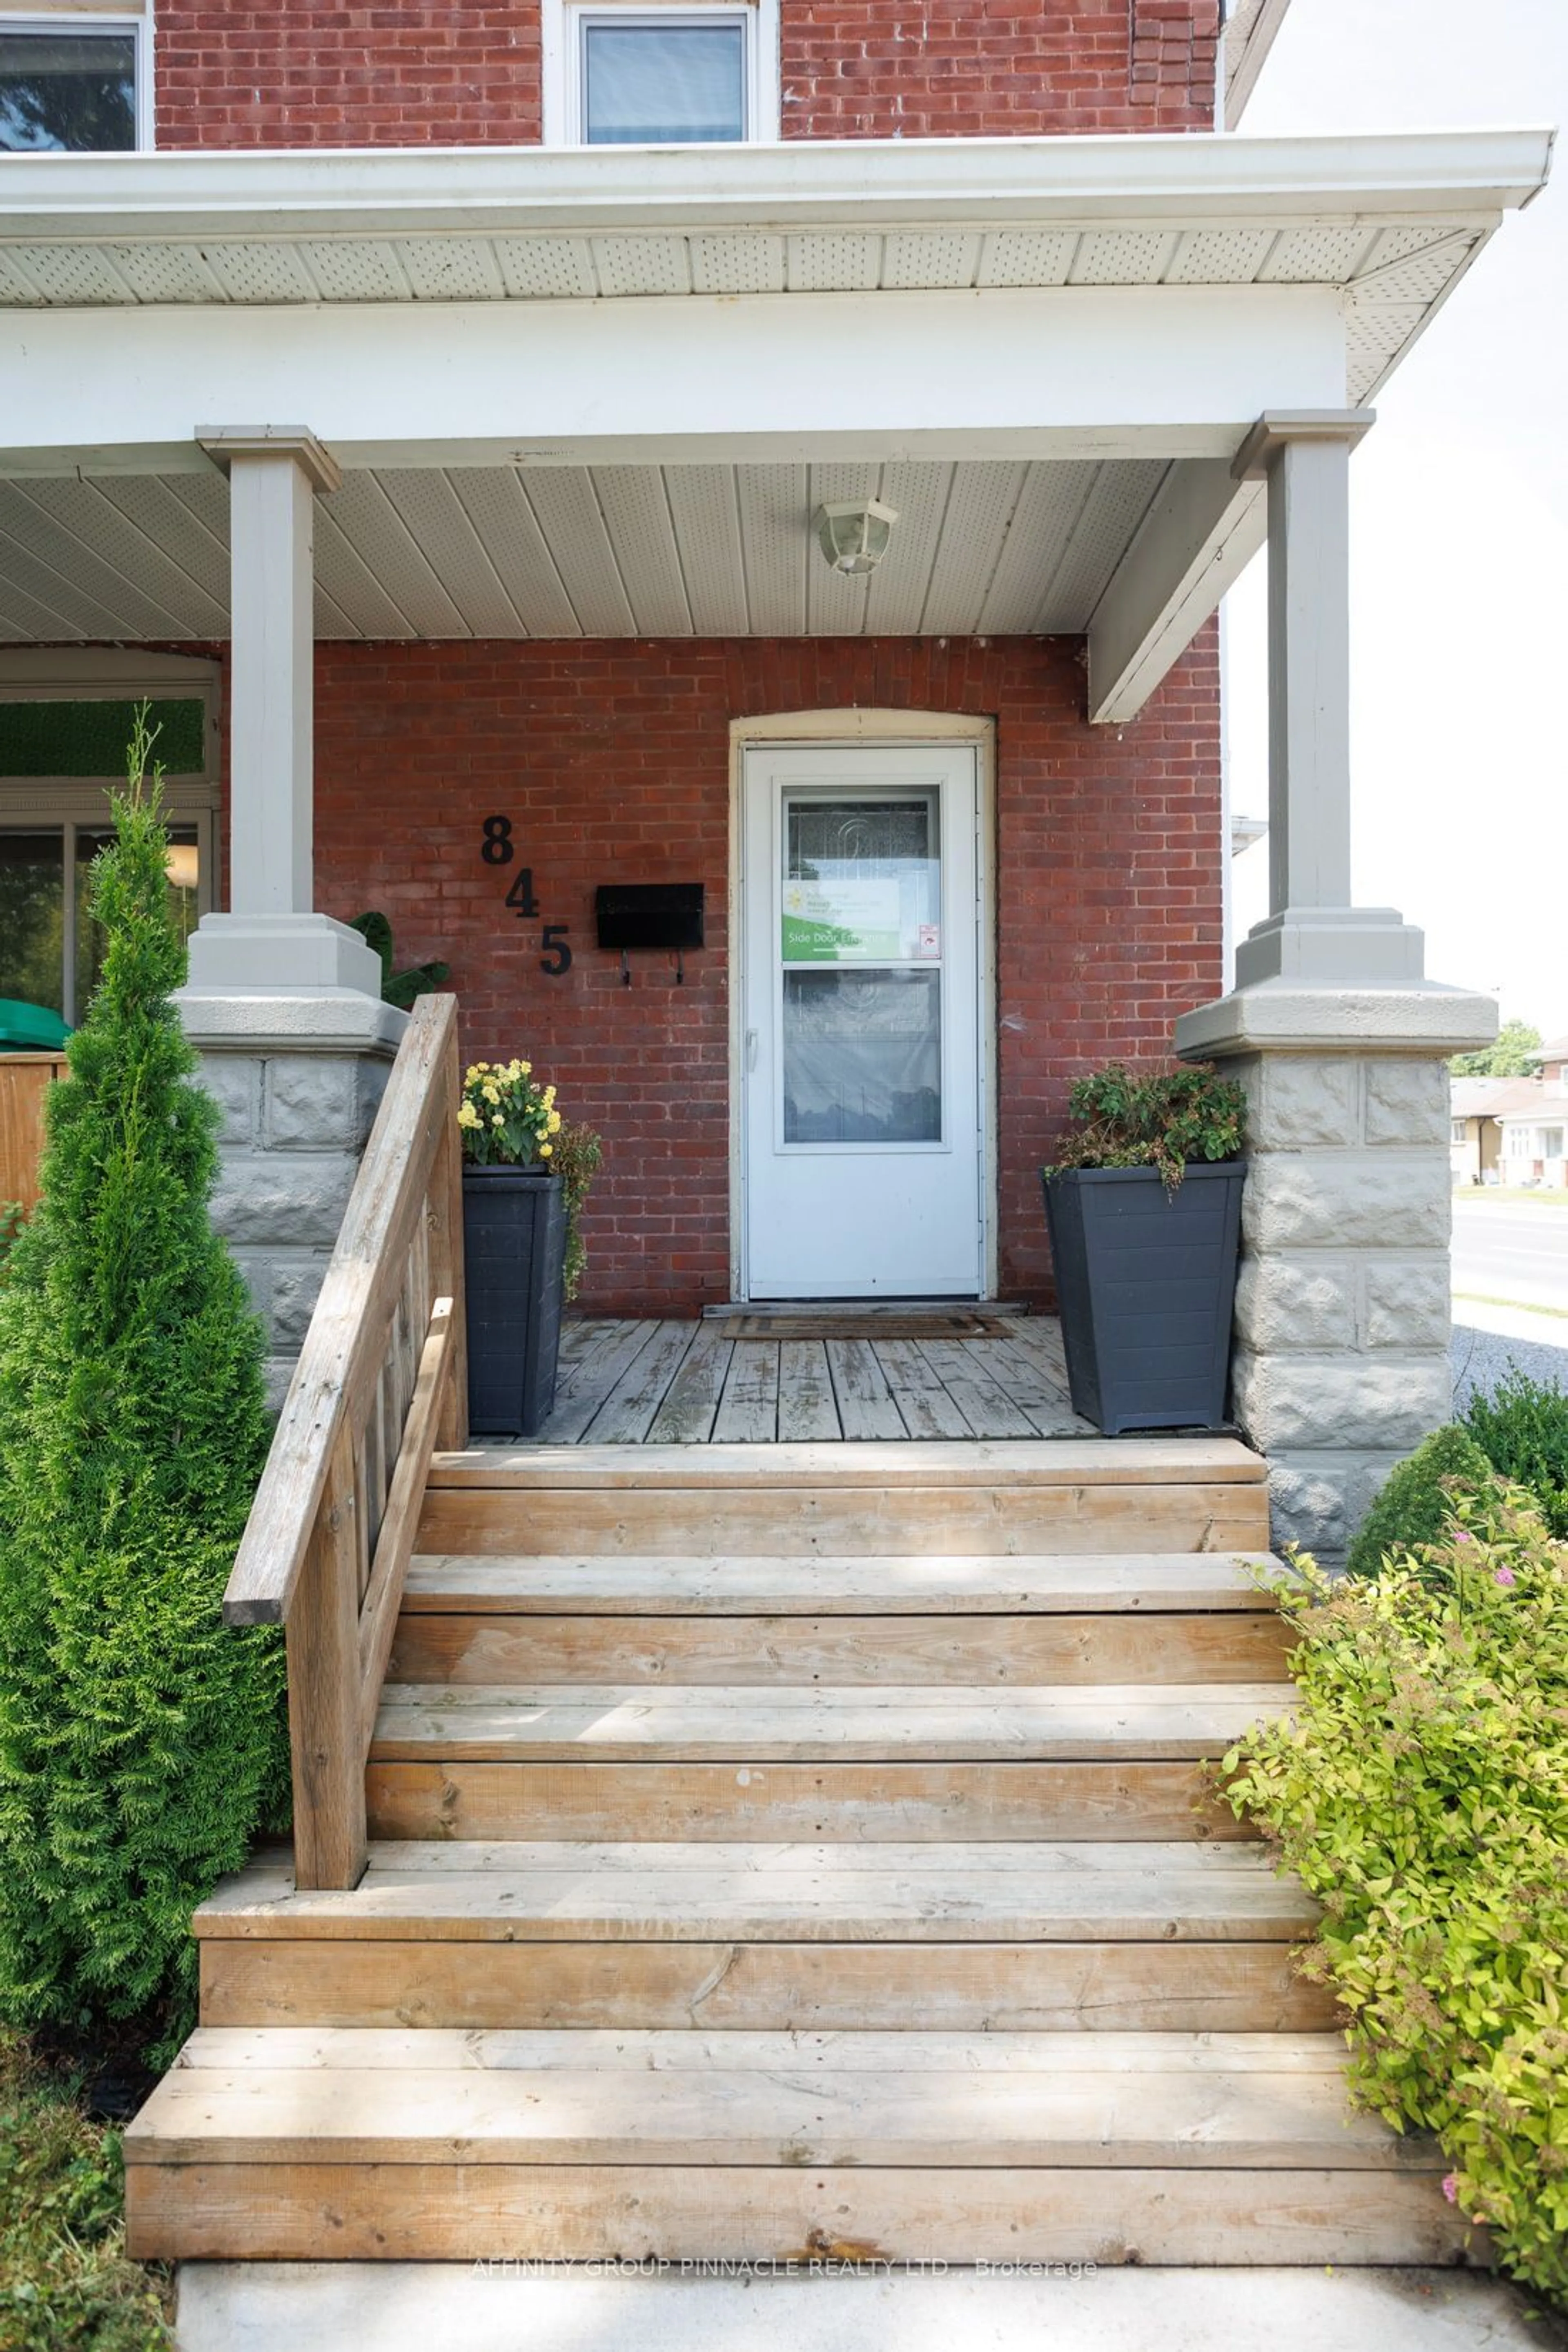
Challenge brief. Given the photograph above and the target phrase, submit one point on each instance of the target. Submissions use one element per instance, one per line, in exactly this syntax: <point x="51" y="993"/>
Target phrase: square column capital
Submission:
<point x="224" y="442"/>
<point x="1279" y="428"/>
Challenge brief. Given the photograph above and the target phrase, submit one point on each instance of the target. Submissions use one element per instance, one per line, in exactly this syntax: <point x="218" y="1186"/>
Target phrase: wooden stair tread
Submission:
<point x="409" y="2049"/>
<point x="884" y="1721"/>
<point x="820" y="1585"/>
<point x="762" y="2106"/>
<point x="979" y="1462"/>
<point x="794" y="1893"/>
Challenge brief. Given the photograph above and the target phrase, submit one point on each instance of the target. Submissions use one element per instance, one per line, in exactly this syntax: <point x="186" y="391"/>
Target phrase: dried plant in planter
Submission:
<point x="1153" y="1118"/>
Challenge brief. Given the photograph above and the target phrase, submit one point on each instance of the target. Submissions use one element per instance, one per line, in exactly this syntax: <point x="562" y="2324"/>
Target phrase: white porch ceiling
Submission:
<point x="599" y="552"/>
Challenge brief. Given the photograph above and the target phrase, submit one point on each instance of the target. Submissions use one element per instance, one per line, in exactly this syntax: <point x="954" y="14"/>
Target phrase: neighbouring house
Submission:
<point x="1513" y="1130"/>
<point x="784" y="457"/>
<point x="1475" y="1141"/>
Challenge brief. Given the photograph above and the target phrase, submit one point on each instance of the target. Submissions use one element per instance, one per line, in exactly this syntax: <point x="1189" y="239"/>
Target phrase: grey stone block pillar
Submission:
<point x="298" y="1076"/>
<point x="1341" y="1363"/>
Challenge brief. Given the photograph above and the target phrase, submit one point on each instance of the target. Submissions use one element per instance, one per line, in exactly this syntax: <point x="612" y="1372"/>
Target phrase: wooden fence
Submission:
<point x="24" y="1080"/>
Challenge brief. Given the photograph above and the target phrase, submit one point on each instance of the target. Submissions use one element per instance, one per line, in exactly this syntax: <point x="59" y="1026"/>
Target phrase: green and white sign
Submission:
<point x="841" y="922"/>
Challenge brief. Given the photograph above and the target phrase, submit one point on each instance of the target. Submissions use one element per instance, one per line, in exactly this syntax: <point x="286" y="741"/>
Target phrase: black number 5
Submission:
<point x="557" y="956"/>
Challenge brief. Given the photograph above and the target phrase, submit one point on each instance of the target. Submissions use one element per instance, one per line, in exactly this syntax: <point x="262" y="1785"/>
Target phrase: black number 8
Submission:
<point x="496" y="848"/>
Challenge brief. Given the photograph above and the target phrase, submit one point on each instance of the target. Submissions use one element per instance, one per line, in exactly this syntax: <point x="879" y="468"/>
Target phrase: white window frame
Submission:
<point x="137" y="21"/>
<point x="562" y="53"/>
<point x="70" y="803"/>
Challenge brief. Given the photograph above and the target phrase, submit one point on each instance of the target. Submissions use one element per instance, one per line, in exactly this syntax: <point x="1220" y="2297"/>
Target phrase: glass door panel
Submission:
<point x="862" y="1057"/>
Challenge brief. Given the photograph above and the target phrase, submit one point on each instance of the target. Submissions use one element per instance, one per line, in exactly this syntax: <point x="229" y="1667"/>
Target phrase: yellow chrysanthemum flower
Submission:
<point x="492" y="1094"/>
<point x="545" y="1150"/>
<point x="467" y="1116"/>
<point x="525" y="1069"/>
<point x="553" y="1123"/>
<point x="499" y="1119"/>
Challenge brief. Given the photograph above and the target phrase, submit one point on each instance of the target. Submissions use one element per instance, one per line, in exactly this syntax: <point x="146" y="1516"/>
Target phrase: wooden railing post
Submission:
<point x="447" y="1253"/>
<point x="322" y="1638"/>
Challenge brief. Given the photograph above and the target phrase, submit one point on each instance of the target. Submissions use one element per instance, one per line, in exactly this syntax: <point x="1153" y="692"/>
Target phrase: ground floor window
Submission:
<point x="74" y="83"/>
<point x="60" y="752"/>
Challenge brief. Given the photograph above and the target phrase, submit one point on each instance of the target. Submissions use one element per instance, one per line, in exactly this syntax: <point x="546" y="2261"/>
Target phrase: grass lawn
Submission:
<point x="65" y="2282"/>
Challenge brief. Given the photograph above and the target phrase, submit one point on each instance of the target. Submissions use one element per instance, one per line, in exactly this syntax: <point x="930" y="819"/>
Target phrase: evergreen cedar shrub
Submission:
<point x="1421" y="1792"/>
<point x="1522" y="1429"/>
<point x="1153" y="1118"/>
<point x="1414" y="1503"/>
<point x="579" y="1154"/>
<point x="142" y="1741"/>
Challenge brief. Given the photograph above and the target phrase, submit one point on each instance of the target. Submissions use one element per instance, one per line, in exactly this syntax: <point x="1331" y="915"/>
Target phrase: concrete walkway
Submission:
<point x="430" y="2307"/>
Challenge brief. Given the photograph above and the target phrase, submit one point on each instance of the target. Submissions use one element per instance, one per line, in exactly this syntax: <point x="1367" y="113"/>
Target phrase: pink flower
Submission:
<point x="1451" y="2187"/>
<point x="1463" y="1534"/>
<point x="1504" y="1576"/>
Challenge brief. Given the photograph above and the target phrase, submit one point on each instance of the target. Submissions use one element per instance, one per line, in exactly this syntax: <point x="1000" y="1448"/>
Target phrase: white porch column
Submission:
<point x="271" y="937"/>
<point x="283" y="1004"/>
<point x="1341" y="1361"/>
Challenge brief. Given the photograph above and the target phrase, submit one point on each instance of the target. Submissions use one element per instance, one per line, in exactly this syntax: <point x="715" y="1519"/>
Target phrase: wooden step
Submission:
<point x="1062" y="1495"/>
<point x="889" y="1722"/>
<point x="958" y="1585"/>
<point x="862" y="1803"/>
<point x="993" y="1989"/>
<point x="757" y="1652"/>
<point x="428" y="2145"/>
<point x="554" y="1893"/>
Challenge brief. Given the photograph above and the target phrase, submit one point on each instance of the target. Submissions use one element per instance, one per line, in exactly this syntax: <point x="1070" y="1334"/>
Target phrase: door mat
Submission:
<point x="881" y="1323"/>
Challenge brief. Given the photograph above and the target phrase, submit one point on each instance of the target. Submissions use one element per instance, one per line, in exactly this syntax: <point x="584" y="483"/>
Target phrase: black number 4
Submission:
<point x="521" y="897"/>
<point x="557" y="956"/>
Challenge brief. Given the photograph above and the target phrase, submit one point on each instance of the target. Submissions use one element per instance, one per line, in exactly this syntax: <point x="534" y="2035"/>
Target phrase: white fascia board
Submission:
<point x="1198" y="537"/>
<point x="1068" y="372"/>
<point x="870" y="182"/>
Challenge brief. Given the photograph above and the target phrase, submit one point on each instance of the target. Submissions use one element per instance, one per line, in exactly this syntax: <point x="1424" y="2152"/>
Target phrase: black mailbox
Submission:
<point x="650" y="915"/>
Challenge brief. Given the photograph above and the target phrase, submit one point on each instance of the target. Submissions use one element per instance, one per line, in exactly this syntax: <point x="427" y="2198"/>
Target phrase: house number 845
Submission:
<point x="496" y="848"/>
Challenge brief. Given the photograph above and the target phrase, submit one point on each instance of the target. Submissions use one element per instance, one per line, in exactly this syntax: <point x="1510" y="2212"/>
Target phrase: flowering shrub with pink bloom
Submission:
<point x="1420" y="1790"/>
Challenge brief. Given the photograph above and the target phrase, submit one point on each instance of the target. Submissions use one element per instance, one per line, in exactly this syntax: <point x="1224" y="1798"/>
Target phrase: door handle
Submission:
<point x="751" y="1049"/>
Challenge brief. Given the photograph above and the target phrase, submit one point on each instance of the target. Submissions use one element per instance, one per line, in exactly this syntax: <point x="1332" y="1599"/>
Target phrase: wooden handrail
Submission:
<point x="381" y="1382"/>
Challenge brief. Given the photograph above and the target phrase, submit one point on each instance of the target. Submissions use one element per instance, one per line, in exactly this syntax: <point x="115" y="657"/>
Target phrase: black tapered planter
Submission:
<point x="1147" y="1282"/>
<point x="514" y="1253"/>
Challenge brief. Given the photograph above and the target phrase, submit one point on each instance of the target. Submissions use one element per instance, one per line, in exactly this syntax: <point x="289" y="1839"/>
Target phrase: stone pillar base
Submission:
<point x="277" y="954"/>
<point x="1342" y="1321"/>
<point x="299" y="1075"/>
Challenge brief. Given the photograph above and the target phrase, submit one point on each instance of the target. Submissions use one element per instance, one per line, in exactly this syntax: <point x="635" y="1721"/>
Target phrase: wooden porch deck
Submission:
<point x="691" y="1383"/>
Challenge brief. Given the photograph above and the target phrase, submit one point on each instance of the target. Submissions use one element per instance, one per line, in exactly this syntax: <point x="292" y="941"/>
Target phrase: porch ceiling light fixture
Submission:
<point x="853" y="533"/>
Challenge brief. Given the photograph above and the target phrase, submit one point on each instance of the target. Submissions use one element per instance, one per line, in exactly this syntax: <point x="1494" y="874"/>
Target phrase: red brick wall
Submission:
<point x="403" y="73"/>
<point x="978" y="68"/>
<point x="413" y="73"/>
<point x="612" y="760"/>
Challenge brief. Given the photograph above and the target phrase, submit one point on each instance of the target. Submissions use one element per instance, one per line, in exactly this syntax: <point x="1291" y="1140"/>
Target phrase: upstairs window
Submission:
<point x="625" y="74"/>
<point x="73" y="84"/>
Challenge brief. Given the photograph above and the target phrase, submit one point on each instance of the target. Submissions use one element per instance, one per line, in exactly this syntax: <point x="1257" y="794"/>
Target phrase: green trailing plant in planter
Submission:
<point x="579" y="1156"/>
<point x="142" y="1742"/>
<point x="403" y="989"/>
<point x="1144" y="1202"/>
<point x="1419" y="1788"/>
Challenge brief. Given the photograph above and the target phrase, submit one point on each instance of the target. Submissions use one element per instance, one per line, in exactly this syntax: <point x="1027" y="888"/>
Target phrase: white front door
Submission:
<point x="862" y="1108"/>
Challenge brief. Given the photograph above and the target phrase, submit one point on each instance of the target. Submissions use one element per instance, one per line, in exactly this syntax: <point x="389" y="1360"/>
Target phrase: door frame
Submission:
<point x="866" y="730"/>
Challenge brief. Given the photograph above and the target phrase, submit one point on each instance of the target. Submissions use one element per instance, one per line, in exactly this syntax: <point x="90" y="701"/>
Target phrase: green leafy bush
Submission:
<point x="11" y="1220"/>
<point x="403" y="989"/>
<point x="1153" y="1118"/>
<point x="1522" y="1430"/>
<point x="1416" y="1500"/>
<point x="141" y="1742"/>
<point x="65" y="2283"/>
<point x="1421" y="1792"/>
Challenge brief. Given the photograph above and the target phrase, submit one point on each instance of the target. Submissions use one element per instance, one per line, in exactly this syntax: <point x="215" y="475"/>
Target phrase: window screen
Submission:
<point x="663" y="81"/>
<point x="89" y="739"/>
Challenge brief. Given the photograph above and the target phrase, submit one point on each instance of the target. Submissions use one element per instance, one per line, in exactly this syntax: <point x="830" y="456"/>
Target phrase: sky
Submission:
<point x="1459" y="523"/>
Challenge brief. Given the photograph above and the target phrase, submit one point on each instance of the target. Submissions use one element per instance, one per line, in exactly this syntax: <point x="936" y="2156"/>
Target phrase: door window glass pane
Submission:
<point x="32" y="918"/>
<point x="89" y="739"/>
<point x="90" y="937"/>
<point x="862" y="881"/>
<point x="669" y="84"/>
<point x="68" y="90"/>
<point x="862" y="1056"/>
